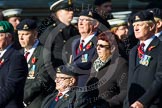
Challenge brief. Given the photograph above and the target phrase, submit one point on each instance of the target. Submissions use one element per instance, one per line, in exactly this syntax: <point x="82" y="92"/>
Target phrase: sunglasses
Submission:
<point x="103" y="46"/>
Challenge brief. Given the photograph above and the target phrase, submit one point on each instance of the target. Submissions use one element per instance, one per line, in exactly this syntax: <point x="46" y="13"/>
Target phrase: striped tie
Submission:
<point x="26" y="55"/>
<point x="141" y="50"/>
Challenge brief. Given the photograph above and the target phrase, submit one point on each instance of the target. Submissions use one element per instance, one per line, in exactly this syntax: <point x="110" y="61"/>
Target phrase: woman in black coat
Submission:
<point x="108" y="78"/>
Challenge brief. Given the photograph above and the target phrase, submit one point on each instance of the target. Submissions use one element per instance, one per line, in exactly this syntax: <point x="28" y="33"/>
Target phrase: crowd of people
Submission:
<point x="94" y="62"/>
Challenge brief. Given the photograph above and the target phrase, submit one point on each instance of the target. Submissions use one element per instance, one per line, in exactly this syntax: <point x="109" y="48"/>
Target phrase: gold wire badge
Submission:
<point x="1" y="28"/>
<point x="25" y="27"/>
<point x="58" y="70"/>
<point x="137" y="18"/>
<point x="69" y="2"/>
<point x="90" y="13"/>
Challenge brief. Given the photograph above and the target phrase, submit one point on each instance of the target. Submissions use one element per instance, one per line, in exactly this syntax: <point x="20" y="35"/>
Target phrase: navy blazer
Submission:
<point x="84" y="65"/>
<point x="145" y="82"/>
<point x="13" y="73"/>
<point x="71" y="99"/>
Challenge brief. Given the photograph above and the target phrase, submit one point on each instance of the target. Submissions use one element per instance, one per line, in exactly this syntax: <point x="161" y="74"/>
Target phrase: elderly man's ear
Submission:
<point x="96" y="24"/>
<point x="72" y="81"/>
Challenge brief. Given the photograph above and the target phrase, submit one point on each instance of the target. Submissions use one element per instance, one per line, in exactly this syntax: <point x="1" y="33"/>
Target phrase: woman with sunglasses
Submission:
<point x="108" y="78"/>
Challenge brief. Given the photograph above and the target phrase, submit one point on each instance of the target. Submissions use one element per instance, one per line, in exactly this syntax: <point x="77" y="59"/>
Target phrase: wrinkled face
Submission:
<point x="5" y="40"/>
<point x="103" y="49"/>
<point x="65" y="16"/>
<point x="14" y="21"/>
<point x="122" y="32"/>
<point x="85" y="25"/>
<point x="142" y="30"/>
<point x="62" y="81"/>
<point x="105" y="8"/>
<point x="27" y="38"/>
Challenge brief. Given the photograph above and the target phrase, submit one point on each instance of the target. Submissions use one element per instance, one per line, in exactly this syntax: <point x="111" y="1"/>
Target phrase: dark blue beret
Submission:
<point x="61" y="4"/>
<point x="156" y="12"/>
<point x="100" y="2"/>
<point x="27" y="24"/>
<point x="142" y="16"/>
<point x="67" y="70"/>
<point x="89" y="13"/>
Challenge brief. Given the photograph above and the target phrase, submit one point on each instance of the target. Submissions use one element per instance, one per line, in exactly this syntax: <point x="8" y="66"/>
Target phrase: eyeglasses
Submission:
<point x="103" y="46"/>
<point x="62" y="78"/>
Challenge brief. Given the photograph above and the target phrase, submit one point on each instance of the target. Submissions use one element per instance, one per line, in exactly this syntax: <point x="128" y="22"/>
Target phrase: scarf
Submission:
<point x="98" y="64"/>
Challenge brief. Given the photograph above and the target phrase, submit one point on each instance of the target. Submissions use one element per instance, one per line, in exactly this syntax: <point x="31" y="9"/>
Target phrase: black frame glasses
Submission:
<point x="103" y="46"/>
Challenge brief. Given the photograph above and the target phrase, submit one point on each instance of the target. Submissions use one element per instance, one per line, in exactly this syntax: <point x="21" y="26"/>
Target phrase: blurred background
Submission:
<point x="39" y="9"/>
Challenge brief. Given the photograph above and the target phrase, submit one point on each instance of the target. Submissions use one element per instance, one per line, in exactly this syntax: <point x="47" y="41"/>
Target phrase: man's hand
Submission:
<point x="137" y="104"/>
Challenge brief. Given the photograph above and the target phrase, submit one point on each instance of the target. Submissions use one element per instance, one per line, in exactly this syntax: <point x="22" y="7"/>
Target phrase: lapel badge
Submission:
<point x="66" y="96"/>
<point x="137" y="18"/>
<point x="145" y="60"/>
<point x="25" y="27"/>
<point x="28" y="65"/>
<point x="1" y="28"/>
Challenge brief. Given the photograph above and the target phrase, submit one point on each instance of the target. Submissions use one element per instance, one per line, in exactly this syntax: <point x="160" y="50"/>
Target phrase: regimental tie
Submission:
<point x="58" y="96"/>
<point x="141" y="50"/>
<point x="80" y="47"/>
<point x="26" y="55"/>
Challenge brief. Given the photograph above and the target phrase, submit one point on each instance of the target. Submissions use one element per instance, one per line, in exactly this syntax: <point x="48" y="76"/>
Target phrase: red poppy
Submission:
<point x="150" y="48"/>
<point x="89" y="46"/>
<point x="34" y="60"/>
<point x="1" y="62"/>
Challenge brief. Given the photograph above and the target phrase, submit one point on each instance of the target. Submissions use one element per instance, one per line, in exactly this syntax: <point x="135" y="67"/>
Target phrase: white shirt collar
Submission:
<point x="158" y="34"/>
<point x="147" y="42"/>
<point x="31" y="51"/>
<point x="63" y="93"/>
<point x="86" y="40"/>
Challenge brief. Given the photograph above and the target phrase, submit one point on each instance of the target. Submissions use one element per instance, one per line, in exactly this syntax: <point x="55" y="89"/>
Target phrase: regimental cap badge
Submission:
<point x="1" y="28"/>
<point x="58" y="70"/>
<point x="25" y="27"/>
<point x="137" y="18"/>
<point x="69" y="2"/>
<point x="90" y="14"/>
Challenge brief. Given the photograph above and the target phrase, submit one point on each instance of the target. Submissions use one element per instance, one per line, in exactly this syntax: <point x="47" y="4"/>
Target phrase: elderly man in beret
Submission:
<point x="57" y="35"/>
<point x="66" y="95"/>
<point x="38" y="81"/>
<point x="145" y="65"/>
<point x="13" y="70"/>
<point x="83" y="48"/>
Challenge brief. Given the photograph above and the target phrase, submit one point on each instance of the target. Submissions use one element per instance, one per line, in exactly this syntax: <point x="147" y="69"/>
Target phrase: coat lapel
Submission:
<point x="36" y="55"/>
<point x="85" y="49"/>
<point x="75" y="47"/>
<point x="6" y="56"/>
<point x="152" y="45"/>
<point x="66" y="99"/>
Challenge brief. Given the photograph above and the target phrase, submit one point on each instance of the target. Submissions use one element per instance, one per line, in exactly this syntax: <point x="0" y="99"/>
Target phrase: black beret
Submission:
<point x="89" y="13"/>
<point x="27" y="24"/>
<point x="156" y="12"/>
<point x="67" y="70"/>
<point x="61" y="4"/>
<point x="100" y="2"/>
<point x="142" y="16"/>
